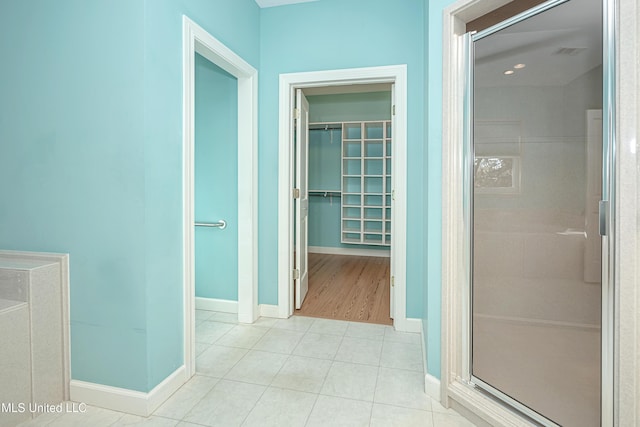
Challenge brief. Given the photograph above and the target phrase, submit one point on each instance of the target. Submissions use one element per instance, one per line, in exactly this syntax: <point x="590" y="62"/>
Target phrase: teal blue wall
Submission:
<point x="216" y="183"/>
<point x="71" y="167"/>
<point x="237" y="25"/>
<point x="91" y="164"/>
<point x="325" y="158"/>
<point x="324" y="35"/>
<point x="91" y="152"/>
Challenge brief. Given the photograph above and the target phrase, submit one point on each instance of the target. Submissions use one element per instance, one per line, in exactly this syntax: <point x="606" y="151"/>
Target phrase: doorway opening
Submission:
<point x="291" y="207"/>
<point x="348" y="166"/>
<point x="200" y="45"/>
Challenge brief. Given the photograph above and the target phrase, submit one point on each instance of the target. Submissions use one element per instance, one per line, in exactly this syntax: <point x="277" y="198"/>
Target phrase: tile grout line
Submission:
<point x="324" y="380"/>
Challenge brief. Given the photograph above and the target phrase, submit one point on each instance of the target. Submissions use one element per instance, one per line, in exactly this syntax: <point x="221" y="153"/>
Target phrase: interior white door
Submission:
<point x="302" y="201"/>
<point x="392" y="299"/>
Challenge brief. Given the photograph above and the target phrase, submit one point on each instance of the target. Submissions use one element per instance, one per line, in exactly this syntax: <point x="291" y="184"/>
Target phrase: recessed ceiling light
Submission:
<point x="518" y="66"/>
<point x="509" y="72"/>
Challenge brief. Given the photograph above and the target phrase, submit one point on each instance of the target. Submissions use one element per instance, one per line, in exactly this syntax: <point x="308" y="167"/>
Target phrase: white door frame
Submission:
<point x="288" y="84"/>
<point x="625" y="409"/>
<point x="197" y="40"/>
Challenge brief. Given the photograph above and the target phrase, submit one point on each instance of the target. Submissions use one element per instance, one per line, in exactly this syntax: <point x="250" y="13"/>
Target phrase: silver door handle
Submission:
<point x="603" y="213"/>
<point x="222" y="224"/>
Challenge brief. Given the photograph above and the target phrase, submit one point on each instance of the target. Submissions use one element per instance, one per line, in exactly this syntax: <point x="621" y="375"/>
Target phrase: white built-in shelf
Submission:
<point x="366" y="183"/>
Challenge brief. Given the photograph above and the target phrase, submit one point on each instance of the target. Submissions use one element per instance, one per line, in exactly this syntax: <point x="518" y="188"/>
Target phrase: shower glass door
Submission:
<point x="537" y="180"/>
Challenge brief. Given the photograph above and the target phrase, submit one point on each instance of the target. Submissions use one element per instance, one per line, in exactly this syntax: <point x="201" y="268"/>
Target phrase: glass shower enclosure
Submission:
<point x="535" y="170"/>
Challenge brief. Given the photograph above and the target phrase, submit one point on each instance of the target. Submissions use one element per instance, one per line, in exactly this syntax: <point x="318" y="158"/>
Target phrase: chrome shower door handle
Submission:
<point x="603" y="214"/>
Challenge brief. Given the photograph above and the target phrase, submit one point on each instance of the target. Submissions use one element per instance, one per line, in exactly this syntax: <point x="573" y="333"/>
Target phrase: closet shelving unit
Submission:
<point x="366" y="183"/>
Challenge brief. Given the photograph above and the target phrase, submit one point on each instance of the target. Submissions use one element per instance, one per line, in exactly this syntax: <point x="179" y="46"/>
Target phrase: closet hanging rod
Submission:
<point x="326" y="127"/>
<point x="325" y="193"/>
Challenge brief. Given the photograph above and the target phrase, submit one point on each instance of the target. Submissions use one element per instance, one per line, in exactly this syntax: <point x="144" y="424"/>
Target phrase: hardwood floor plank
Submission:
<point x="354" y="288"/>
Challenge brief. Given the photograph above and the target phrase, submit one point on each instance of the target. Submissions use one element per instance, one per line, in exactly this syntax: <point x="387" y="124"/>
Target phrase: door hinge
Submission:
<point x="296" y="193"/>
<point x="296" y="113"/>
<point x="393" y="281"/>
<point x="296" y="274"/>
<point x="393" y="194"/>
<point x="393" y="110"/>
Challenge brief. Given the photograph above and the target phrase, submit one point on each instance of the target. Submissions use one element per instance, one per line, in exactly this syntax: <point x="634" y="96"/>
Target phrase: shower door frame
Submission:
<point x="458" y="387"/>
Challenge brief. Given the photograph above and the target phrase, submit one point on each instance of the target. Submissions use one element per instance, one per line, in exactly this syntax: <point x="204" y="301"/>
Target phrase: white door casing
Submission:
<point x="302" y="197"/>
<point x="395" y="74"/>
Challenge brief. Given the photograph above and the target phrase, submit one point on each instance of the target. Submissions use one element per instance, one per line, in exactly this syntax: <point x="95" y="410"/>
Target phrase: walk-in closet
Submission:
<point x="349" y="176"/>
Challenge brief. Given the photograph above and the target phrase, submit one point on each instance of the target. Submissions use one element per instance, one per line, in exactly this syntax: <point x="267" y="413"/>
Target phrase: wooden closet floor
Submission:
<point x="354" y="288"/>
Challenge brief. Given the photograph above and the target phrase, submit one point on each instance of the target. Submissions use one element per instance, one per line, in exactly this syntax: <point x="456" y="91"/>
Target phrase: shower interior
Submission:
<point x="537" y="180"/>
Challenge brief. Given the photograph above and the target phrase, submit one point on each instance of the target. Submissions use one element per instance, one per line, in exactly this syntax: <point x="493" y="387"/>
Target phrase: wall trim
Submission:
<point x="432" y="387"/>
<point x="431" y="383"/>
<point x="396" y="74"/>
<point x="196" y="40"/>
<point x="269" y="310"/>
<point x="125" y="400"/>
<point x="626" y="338"/>
<point x="408" y="325"/>
<point x="349" y="251"/>
<point x="215" y="304"/>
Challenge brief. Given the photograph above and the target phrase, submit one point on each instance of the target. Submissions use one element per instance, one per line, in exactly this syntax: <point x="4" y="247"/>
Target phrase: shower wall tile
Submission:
<point x="498" y="254"/>
<point x="554" y="256"/>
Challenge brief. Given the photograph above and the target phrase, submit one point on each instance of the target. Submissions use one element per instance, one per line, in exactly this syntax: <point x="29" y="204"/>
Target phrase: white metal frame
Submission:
<point x="456" y="389"/>
<point x="288" y="84"/>
<point x="197" y="40"/>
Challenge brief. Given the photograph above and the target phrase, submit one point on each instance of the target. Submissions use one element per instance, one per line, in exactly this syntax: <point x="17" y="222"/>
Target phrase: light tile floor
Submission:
<point x="295" y="372"/>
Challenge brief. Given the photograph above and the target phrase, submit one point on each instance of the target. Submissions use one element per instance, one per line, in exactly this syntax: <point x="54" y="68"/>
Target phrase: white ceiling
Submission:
<point x="574" y="26"/>
<point x="272" y="3"/>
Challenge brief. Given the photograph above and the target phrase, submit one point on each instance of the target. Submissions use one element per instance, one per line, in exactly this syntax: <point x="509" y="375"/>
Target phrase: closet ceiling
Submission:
<point x="338" y="90"/>
<point x="272" y="3"/>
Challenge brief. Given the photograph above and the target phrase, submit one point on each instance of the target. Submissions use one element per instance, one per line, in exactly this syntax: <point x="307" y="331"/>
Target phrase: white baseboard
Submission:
<point x="214" y="304"/>
<point x="432" y="387"/>
<point x="268" y="310"/>
<point x="424" y="349"/>
<point x="349" y="251"/>
<point x="125" y="400"/>
<point x="408" y="325"/>
<point x="431" y="383"/>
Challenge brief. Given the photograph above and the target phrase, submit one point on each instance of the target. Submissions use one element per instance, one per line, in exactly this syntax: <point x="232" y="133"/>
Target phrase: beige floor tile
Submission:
<point x="401" y="388"/>
<point x="359" y="350"/>
<point x="320" y="346"/>
<point x="185" y="398"/>
<point x="302" y="374"/>
<point x="350" y="380"/>
<point x="257" y="367"/>
<point x="395" y="416"/>
<point x="337" y="412"/>
<point x="226" y="405"/>
<point x="279" y="407"/>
